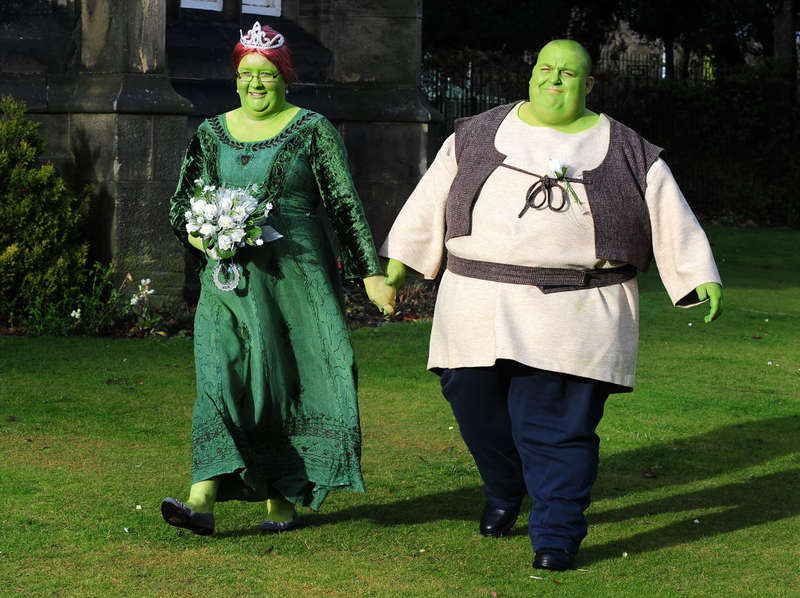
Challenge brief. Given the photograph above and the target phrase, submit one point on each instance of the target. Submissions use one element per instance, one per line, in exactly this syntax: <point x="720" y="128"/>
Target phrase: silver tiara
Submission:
<point x="256" y="38"/>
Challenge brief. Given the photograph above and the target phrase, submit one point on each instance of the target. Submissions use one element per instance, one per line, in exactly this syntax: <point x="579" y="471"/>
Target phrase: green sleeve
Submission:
<point x="195" y="166"/>
<point x="341" y="201"/>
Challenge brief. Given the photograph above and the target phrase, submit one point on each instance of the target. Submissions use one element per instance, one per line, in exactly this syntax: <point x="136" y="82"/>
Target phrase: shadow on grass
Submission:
<point x="754" y="501"/>
<point x="705" y="456"/>
<point x="463" y="504"/>
<point x="757" y="500"/>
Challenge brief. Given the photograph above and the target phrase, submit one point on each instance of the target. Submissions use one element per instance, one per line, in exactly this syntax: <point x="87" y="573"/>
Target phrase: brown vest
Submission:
<point x="615" y="189"/>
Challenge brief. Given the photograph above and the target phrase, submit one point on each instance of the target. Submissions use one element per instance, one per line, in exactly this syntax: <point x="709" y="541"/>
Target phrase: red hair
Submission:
<point x="281" y="57"/>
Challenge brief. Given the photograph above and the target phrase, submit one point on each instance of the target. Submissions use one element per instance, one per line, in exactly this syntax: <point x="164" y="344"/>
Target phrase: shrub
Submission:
<point x="42" y="248"/>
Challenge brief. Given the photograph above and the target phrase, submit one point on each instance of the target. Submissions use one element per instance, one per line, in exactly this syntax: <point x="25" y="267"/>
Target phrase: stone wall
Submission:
<point x="119" y="85"/>
<point x="358" y="63"/>
<point x="95" y="79"/>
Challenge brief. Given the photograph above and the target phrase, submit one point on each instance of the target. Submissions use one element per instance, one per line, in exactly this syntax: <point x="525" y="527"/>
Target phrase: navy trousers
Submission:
<point x="532" y="431"/>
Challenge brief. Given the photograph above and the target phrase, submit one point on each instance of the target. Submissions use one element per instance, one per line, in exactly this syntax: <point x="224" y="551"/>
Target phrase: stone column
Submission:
<point x="385" y="117"/>
<point x="127" y="133"/>
<point x="375" y="97"/>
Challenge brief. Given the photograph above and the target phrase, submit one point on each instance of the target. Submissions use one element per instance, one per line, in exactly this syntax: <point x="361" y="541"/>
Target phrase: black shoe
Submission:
<point x="496" y="522"/>
<point x="555" y="559"/>
<point x="178" y="514"/>
<point x="280" y="526"/>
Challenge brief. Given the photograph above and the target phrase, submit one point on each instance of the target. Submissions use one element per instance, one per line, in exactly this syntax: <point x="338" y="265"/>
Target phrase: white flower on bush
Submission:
<point x="144" y="291"/>
<point x="144" y="287"/>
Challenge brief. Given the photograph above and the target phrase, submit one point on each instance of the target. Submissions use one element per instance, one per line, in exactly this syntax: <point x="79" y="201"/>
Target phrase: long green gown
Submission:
<point x="276" y="402"/>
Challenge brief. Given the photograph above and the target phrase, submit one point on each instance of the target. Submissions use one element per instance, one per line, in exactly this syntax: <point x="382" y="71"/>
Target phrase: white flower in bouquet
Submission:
<point x="226" y="199"/>
<point x="237" y="235"/>
<point x="227" y="218"/>
<point x="197" y="205"/>
<point x="224" y="243"/>
<point x="207" y="229"/>
<point x="210" y="211"/>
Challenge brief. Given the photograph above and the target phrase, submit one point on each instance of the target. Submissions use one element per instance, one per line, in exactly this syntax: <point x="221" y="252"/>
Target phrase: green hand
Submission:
<point x="395" y="273"/>
<point x="381" y="293"/>
<point x="713" y="292"/>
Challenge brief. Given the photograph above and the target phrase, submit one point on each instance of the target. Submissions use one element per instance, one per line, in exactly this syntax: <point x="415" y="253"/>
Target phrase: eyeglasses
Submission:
<point x="263" y="76"/>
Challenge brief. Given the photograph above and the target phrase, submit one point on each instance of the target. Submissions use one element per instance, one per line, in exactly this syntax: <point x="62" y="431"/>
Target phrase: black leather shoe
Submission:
<point x="496" y="522"/>
<point x="555" y="559"/>
<point x="178" y="514"/>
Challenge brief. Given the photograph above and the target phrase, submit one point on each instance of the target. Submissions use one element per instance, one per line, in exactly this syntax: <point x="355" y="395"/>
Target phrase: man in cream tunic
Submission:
<point x="527" y="356"/>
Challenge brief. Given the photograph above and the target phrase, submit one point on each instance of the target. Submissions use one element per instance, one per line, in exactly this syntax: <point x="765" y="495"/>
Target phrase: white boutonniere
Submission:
<point x="559" y="170"/>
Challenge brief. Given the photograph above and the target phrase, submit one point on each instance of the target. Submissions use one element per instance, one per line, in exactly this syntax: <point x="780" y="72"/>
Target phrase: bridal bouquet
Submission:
<point x="227" y="218"/>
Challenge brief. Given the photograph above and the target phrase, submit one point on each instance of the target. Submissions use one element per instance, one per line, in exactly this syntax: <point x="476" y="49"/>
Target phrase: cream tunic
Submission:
<point x="591" y="333"/>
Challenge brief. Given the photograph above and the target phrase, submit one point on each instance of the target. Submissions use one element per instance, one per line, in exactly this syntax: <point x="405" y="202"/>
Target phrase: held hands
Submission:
<point x="382" y="290"/>
<point x="381" y="293"/>
<point x="713" y="292"/>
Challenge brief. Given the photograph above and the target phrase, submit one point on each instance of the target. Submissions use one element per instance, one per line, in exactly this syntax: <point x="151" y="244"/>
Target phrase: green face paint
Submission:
<point x="263" y="96"/>
<point x="559" y="84"/>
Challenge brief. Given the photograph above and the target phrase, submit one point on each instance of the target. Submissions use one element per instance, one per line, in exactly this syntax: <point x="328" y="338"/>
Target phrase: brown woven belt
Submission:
<point x="548" y="280"/>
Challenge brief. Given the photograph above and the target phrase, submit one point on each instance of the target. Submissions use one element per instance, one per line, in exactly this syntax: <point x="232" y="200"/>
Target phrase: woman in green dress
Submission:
<point x="276" y="416"/>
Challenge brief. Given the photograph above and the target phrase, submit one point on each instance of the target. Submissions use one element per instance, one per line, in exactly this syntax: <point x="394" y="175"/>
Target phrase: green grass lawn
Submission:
<point x="94" y="433"/>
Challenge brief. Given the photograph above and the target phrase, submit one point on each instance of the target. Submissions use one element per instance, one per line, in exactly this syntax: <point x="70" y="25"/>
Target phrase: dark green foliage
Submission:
<point x="732" y="143"/>
<point x="42" y="251"/>
<point x="514" y="26"/>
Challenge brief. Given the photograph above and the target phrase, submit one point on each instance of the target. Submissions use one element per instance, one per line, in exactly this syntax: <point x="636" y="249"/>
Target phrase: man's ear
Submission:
<point x="589" y="85"/>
